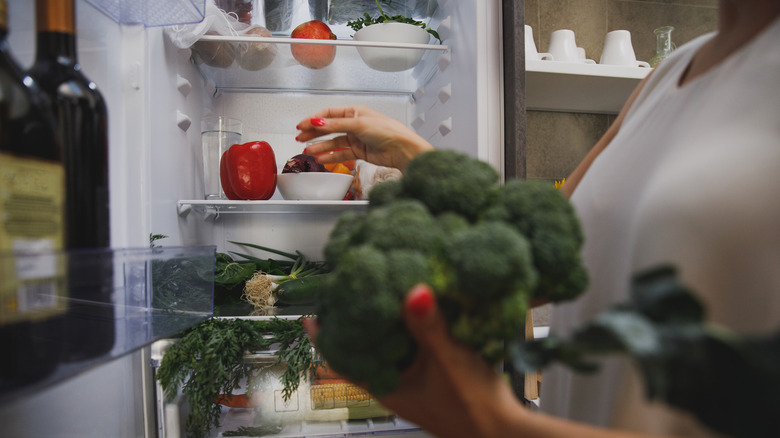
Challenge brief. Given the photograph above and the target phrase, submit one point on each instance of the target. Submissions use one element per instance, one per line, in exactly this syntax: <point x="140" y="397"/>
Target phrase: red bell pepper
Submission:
<point x="248" y="171"/>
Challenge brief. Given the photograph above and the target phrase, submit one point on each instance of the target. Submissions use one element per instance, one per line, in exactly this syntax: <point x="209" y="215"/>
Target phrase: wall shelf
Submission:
<point x="581" y="88"/>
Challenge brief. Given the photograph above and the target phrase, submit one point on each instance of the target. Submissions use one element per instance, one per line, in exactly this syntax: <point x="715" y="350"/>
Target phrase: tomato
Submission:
<point x="248" y="171"/>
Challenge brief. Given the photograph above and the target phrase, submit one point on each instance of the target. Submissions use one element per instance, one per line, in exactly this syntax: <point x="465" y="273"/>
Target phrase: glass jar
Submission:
<point x="663" y="45"/>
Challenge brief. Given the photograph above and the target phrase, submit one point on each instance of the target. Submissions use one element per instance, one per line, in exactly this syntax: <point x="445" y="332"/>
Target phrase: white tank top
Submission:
<point x="693" y="179"/>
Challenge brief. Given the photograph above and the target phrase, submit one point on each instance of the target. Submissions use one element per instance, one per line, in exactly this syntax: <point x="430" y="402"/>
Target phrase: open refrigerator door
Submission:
<point x="157" y="93"/>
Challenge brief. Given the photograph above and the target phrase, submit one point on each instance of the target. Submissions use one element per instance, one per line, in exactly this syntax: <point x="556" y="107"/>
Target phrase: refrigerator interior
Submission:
<point x="157" y="95"/>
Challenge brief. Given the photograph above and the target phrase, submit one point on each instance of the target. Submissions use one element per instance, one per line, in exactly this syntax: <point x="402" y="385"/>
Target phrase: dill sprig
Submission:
<point x="208" y="360"/>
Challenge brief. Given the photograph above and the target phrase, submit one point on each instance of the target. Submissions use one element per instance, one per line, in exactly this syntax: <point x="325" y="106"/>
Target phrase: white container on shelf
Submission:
<point x="396" y="59"/>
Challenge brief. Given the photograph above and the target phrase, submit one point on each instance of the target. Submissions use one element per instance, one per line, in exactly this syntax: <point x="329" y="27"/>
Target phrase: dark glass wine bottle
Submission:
<point x="82" y="125"/>
<point x="32" y="197"/>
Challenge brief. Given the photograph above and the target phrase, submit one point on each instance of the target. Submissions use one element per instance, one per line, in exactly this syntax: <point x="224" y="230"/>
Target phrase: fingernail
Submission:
<point x="298" y="127"/>
<point x="296" y="138"/>
<point x="306" y="151"/>
<point x="420" y="300"/>
<point x="316" y="121"/>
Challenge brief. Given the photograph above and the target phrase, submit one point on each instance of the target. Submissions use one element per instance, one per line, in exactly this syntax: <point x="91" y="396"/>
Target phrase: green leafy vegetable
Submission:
<point x="367" y="20"/>
<point x="730" y="383"/>
<point x="208" y="360"/>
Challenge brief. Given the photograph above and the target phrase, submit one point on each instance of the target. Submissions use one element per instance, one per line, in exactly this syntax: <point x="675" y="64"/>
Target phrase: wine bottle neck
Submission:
<point x="55" y="16"/>
<point x="3" y="19"/>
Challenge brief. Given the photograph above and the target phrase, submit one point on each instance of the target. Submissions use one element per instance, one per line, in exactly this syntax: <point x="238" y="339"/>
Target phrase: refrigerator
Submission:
<point x="465" y="94"/>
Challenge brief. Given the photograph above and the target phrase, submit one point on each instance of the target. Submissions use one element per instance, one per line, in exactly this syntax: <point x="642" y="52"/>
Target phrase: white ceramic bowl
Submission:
<point x="313" y="186"/>
<point x="391" y="59"/>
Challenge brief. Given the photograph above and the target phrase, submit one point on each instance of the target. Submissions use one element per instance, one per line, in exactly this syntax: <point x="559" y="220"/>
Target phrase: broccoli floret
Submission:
<point x="361" y="332"/>
<point x="489" y="260"/>
<point x="450" y="181"/>
<point x="543" y="215"/>
<point x="450" y="223"/>
<point x="344" y="234"/>
<point x="405" y="223"/>
<point x="384" y="192"/>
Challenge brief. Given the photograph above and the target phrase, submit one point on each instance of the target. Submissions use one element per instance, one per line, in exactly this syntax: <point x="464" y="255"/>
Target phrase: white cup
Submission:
<point x="563" y="47"/>
<point x="530" y="47"/>
<point x="618" y="50"/>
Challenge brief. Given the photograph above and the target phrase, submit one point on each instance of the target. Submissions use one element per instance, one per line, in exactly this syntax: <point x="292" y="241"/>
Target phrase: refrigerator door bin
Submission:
<point x="323" y="406"/>
<point x="112" y="303"/>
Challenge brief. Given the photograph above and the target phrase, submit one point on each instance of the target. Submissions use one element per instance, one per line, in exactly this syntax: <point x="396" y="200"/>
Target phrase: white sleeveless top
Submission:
<point x="693" y="179"/>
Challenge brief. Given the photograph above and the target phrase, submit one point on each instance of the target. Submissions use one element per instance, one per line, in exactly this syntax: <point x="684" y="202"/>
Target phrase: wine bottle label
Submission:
<point x="32" y="270"/>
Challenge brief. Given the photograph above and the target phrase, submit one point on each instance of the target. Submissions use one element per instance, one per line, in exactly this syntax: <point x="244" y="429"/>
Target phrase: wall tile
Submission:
<point x="712" y="3"/>
<point x="642" y="17"/>
<point x="587" y="18"/>
<point x="531" y="8"/>
<point x="557" y="142"/>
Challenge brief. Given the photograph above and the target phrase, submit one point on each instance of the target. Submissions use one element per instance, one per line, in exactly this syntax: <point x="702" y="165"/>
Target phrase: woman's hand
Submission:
<point x="368" y="135"/>
<point x="449" y="390"/>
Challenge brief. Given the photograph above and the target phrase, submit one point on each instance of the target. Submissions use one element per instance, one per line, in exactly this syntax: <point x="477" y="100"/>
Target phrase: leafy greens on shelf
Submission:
<point x="208" y="360"/>
<point x="730" y="383"/>
<point x="367" y="20"/>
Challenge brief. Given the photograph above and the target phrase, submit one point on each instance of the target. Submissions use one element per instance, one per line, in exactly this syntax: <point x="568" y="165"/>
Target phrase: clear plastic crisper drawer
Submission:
<point x="152" y="12"/>
<point x="63" y="312"/>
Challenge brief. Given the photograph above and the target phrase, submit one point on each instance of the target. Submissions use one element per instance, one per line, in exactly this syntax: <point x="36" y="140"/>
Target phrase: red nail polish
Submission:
<point x="316" y="121"/>
<point x="306" y="151"/>
<point x="298" y="127"/>
<point x="420" y="301"/>
<point x="296" y="138"/>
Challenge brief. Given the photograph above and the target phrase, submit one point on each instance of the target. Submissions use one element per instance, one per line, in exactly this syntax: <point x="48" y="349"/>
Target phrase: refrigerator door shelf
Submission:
<point x="150" y="294"/>
<point x="348" y="72"/>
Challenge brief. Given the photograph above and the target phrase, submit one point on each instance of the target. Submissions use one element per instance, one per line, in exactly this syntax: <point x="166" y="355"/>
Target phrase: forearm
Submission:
<point x="527" y="424"/>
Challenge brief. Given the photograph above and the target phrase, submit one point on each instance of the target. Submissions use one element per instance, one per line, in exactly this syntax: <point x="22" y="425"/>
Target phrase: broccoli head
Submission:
<point x="543" y="215"/>
<point x="384" y="192"/>
<point x="447" y="224"/>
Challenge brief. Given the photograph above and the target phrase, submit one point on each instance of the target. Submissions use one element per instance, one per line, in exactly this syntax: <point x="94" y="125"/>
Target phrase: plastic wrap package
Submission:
<point x="369" y="175"/>
<point x="152" y="12"/>
<point x="222" y="54"/>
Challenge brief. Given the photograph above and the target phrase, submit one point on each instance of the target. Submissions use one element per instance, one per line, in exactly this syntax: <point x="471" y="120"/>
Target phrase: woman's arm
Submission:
<point x="576" y="176"/>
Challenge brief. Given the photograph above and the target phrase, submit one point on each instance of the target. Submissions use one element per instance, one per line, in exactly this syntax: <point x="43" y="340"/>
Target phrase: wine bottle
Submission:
<point x="32" y="197"/>
<point x="82" y="127"/>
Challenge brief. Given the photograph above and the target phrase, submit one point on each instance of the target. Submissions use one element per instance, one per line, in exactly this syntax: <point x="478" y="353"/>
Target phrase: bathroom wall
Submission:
<point x="556" y="142"/>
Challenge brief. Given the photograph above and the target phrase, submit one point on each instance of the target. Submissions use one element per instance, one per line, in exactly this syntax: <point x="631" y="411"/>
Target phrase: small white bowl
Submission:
<point x="391" y="59"/>
<point x="313" y="186"/>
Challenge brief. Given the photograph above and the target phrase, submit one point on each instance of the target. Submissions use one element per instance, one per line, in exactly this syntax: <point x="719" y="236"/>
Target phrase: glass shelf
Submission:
<point x="217" y="207"/>
<point x="585" y="88"/>
<point x="72" y="311"/>
<point x="347" y="74"/>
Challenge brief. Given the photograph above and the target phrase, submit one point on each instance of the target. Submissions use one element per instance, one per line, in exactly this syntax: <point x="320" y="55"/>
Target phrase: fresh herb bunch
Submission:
<point x="368" y="20"/>
<point x="208" y="360"/>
